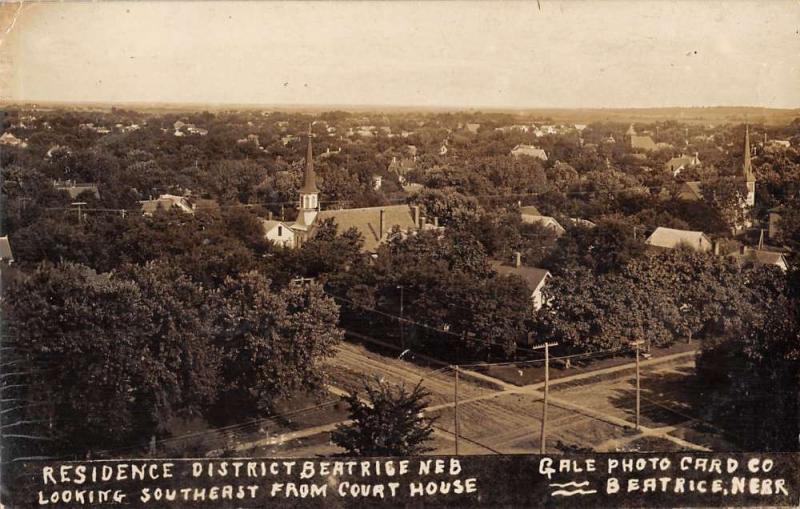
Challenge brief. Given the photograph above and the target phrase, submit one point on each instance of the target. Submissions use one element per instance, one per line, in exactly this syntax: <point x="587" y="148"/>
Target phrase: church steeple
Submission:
<point x="309" y="194"/>
<point x="747" y="168"/>
<point x="309" y="177"/>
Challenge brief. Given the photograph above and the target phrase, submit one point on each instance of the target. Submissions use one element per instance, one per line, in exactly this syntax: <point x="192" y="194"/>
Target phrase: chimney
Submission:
<point x="269" y="215"/>
<point x="436" y="223"/>
<point x="381" y="225"/>
<point x="415" y="214"/>
<point x="744" y="249"/>
<point x="421" y="221"/>
<point x="716" y="248"/>
<point x="761" y="240"/>
<point x="517" y="259"/>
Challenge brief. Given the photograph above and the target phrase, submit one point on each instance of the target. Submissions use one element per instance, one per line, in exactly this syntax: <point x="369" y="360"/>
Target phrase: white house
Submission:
<point x="535" y="278"/>
<point x="529" y="150"/>
<point x="670" y="238"/>
<point x="278" y="232"/>
<point x="544" y="221"/>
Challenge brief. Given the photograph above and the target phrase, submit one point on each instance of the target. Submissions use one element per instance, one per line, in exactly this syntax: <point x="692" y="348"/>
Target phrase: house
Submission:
<point x="535" y="278"/>
<point x="693" y="191"/>
<point x="690" y="191"/>
<point x="677" y="164"/>
<point x="373" y="223"/>
<point x="6" y="259"/>
<point x="251" y="139"/>
<point x="166" y="202"/>
<point x="402" y="166"/>
<point x="74" y="190"/>
<point x="774" y="230"/>
<point x="529" y="210"/>
<point x="278" y="232"/>
<point x="473" y="128"/>
<point x="636" y="141"/>
<point x="377" y="182"/>
<point x="6" y="256"/>
<point x="583" y="223"/>
<point x="12" y="141"/>
<point x="529" y="150"/>
<point x="748" y="256"/>
<point x="545" y="222"/>
<point x="670" y="238"/>
<point x="204" y="204"/>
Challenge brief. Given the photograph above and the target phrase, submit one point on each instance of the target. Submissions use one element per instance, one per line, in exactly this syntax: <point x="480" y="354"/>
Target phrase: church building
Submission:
<point x="375" y="224"/>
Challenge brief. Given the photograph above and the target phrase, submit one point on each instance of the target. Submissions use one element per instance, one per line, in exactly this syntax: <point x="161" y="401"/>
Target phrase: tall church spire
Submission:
<point x="309" y="177"/>
<point x="747" y="168"/>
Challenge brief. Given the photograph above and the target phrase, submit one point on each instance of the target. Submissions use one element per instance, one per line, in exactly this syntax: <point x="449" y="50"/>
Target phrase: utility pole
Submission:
<point x="78" y="204"/>
<point x="455" y="411"/>
<point x="637" y="345"/>
<point x="402" y="335"/>
<point x="546" y="347"/>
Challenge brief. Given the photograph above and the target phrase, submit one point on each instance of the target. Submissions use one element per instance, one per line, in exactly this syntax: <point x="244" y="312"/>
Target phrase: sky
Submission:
<point x="556" y="54"/>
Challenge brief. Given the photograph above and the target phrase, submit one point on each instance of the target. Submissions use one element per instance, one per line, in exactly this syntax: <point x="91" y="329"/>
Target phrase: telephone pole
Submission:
<point x="546" y="347"/>
<point x="79" y="204"/>
<point x="455" y="411"/>
<point x="402" y="335"/>
<point x="637" y="345"/>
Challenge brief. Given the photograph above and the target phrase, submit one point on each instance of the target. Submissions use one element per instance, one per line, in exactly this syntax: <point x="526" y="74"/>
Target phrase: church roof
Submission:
<point x="367" y="221"/>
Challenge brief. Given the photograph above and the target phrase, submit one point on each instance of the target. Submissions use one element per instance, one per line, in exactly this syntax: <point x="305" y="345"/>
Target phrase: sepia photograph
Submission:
<point x="400" y="253"/>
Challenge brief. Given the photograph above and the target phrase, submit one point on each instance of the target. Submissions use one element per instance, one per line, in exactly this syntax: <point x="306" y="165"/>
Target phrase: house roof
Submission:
<point x="530" y="210"/>
<point x="5" y="249"/>
<point x="691" y="191"/>
<point x="677" y="162"/>
<point x="643" y="142"/>
<point x="545" y="221"/>
<point x="760" y="257"/>
<point x="269" y="224"/>
<point x="529" y="150"/>
<point x="671" y="238"/>
<point x="73" y="190"/>
<point x="166" y="202"/>
<point x="533" y="276"/>
<point x="367" y="221"/>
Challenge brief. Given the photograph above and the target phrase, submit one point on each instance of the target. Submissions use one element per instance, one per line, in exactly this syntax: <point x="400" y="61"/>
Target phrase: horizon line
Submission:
<point x="367" y="106"/>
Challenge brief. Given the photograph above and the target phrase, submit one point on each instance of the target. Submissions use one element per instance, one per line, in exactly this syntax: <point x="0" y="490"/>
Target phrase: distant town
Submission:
<point x="241" y="282"/>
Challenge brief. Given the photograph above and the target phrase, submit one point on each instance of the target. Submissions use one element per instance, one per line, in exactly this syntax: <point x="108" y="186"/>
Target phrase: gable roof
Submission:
<point x="530" y="210"/>
<point x="533" y="276"/>
<point x="269" y="224"/>
<point x="691" y="191"/>
<point x="672" y="238"/>
<point x="74" y="190"/>
<point x="166" y="202"/>
<point x="643" y="142"/>
<point x="760" y="257"/>
<point x="529" y="150"/>
<point x="544" y="221"/>
<point x="681" y="162"/>
<point x="367" y="221"/>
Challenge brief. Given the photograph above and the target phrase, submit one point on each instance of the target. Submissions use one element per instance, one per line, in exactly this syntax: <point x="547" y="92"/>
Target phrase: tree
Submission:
<point x="387" y="421"/>
<point x="272" y="342"/>
<point x="118" y="356"/>
<point x="753" y="377"/>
